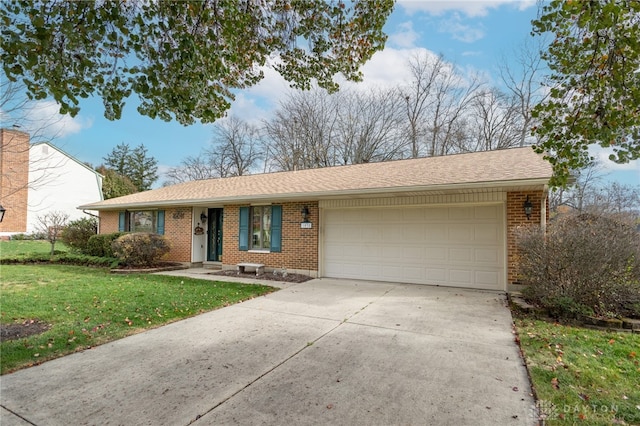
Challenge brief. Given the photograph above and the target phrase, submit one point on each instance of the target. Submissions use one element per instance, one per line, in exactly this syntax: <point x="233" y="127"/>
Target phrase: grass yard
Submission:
<point x="582" y="376"/>
<point x="15" y="248"/>
<point x="84" y="307"/>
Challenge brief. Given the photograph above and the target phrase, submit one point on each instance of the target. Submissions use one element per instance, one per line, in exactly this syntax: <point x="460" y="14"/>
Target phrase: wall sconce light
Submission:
<point x="305" y="214"/>
<point x="2" y="212"/>
<point x="203" y="217"/>
<point x="528" y="208"/>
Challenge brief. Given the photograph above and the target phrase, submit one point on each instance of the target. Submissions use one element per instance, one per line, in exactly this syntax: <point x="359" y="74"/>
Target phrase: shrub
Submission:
<point x="584" y="264"/>
<point x="77" y="233"/>
<point x="100" y="245"/>
<point x="62" y="258"/>
<point x="140" y="248"/>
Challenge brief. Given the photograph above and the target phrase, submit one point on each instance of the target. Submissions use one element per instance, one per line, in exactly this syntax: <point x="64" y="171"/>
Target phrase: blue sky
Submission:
<point x="475" y="35"/>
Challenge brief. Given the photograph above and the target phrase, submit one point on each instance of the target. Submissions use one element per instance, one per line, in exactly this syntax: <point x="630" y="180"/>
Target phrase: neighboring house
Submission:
<point x="447" y="220"/>
<point x="39" y="178"/>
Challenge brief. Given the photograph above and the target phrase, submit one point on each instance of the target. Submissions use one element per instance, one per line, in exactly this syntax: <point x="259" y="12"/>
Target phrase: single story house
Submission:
<point x="447" y="220"/>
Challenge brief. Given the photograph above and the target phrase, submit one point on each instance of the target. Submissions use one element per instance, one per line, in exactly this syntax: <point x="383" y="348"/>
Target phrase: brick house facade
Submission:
<point x="14" y="179"/>
<point x="473" y="224"/>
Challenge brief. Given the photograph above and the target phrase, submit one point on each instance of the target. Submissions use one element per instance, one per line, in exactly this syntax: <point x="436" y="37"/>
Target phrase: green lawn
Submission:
<point x="15" y="248"/>
<point x="582" y="376"/>
<point x="86" y="306"/>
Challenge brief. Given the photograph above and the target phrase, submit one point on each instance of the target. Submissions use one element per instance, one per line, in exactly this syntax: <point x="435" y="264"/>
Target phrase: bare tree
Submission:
<point x="524" y="81"/>
<point x="234" y="151"/>
<point x="573" y="195"/>
<point x="425" y="70"/>
<point x="615" y="199"/>
<point x="453" y="96"/>
<point x="191" y="168"/>
<point x="301" y="135"/>
<point x="236" y="146"/>
<point x="16" y="108"/>
<point x="495" y="122"/>
<point x="437" y="100"/>
<point x="51" y="225"/>
<point x="368" y="128"/>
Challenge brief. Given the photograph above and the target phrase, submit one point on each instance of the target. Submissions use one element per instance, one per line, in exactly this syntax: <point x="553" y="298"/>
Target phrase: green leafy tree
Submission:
<point x="594" y="96"/>
<point x="114" y="184"/>
<point x="183" y="59"/>
<point x="134" y="164"/>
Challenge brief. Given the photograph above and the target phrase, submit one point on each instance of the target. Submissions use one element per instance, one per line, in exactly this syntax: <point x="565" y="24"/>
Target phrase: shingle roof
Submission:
<point x="502" y="168"/>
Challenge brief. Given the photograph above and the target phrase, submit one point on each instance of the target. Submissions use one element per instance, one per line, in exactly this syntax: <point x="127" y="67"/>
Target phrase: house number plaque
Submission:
<point x="305" y="225"/>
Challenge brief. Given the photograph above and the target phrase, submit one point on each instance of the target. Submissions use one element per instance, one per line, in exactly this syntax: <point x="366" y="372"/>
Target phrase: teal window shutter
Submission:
<point x="243" y="235"/>
<point x="122" y="221"/>
<point x="276" y="229"/>
<point x="160" y="222"/>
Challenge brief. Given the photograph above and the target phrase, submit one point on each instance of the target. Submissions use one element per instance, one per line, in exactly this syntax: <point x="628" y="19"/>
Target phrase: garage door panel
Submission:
<point x="461" y="277"/>
<point x="413" y="275"/>
<point x="486" y="233"/>
<point x="436" y="214"/>
<point x="461" y="255"/>
<point x="486" y="212"/>
<point x="452" y="245"/>
<point x="460" y="233"/>
<point x="460" y="213"/>
<point x="436" y="275"/>
<point x="486" y="255"/>
<point x="436" y="232"/>
<point x="414" y="254"/>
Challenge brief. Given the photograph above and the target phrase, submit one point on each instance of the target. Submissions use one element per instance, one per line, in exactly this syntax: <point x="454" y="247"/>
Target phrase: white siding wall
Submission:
<point x="58" y="182"/>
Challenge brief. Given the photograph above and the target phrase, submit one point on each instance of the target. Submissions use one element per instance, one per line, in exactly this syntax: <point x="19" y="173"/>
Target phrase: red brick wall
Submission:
<point x="177" y="226"/>
<point x="299" y="246"/>
<point x="108" y="222"/>
<point x="14" y="179"/>
<point x="516" y="219"/>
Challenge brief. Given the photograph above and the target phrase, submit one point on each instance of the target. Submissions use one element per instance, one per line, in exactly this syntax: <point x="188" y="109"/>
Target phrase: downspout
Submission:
<point x="543" y="209"/>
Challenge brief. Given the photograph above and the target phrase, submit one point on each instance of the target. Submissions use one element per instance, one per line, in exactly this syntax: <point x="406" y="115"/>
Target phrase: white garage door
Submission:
<point x="451" y="246"/>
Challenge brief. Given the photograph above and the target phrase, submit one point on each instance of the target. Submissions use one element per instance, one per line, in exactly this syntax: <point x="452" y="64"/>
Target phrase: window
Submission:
<point x="151" y="221"/>
<point x="261" y="228"/>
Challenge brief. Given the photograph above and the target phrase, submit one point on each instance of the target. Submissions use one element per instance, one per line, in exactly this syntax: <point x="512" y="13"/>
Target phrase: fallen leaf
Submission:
<point x="583" y="397"/>
<point x="515" y="389"/>
<point x="555" y="383"/>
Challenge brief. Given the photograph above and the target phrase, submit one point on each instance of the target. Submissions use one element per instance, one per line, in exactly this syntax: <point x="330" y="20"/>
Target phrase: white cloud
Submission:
<point x="470" y="8"/>
<point x="405" y="37"/>
<point x="258" y="102"/>
<point x="602" y="155"/>
<point x="43" y="119"/>
<point x="460" y="31"/>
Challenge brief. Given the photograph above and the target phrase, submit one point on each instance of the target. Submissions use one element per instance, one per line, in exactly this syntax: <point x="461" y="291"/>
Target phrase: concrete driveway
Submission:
<point x="326" y="352"/>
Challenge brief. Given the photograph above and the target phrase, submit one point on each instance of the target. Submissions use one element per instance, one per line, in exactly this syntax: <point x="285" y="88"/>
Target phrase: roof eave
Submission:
<point x="537" y="183"/>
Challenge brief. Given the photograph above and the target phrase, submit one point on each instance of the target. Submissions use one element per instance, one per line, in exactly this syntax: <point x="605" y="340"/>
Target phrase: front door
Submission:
<point x="214" y="235"/>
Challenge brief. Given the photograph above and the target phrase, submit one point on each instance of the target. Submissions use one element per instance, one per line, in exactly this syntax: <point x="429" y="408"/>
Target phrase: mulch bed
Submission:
<point x="267" y="276"/>
<point x="160" y="267"/>
<point x="24" y="329"/>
